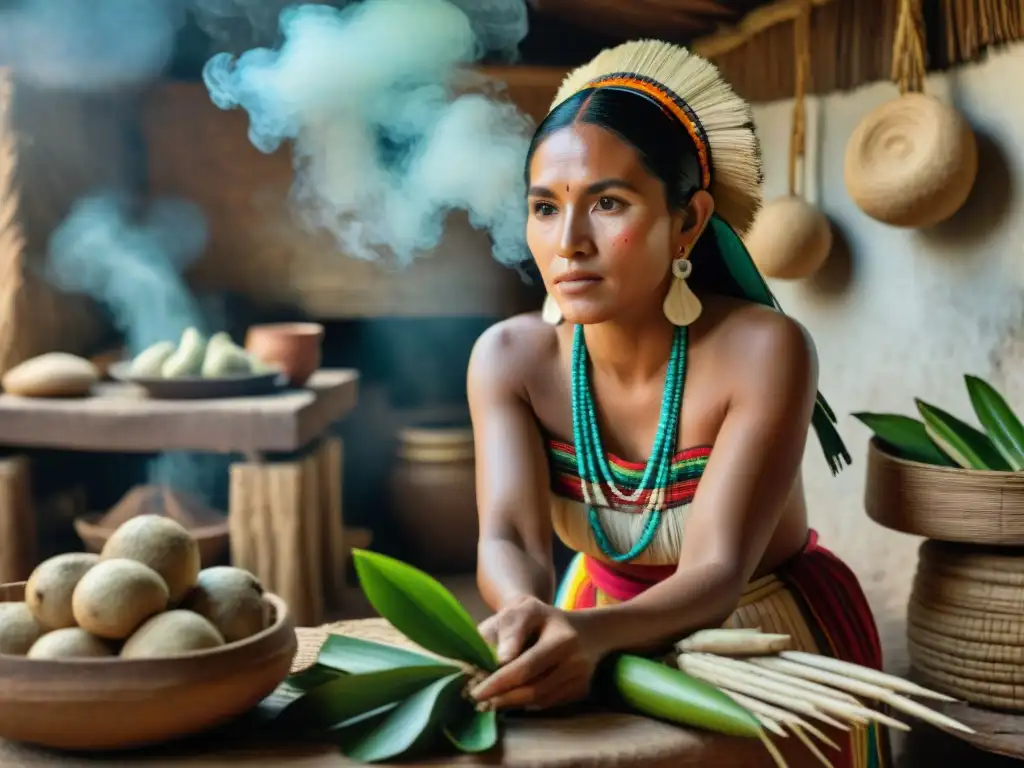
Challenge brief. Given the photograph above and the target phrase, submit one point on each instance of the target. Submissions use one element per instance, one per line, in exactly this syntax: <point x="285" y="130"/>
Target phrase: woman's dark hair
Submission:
<point x="666" y="151"/>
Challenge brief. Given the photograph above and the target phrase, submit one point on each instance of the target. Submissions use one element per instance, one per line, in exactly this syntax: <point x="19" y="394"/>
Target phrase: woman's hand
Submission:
<point x="557" y="668"/>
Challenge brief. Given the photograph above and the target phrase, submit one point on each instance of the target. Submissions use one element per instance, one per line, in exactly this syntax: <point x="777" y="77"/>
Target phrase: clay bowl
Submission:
<point x="294" y="348"/>
<point x="212" y="539"/>
<point x="113" y="703"/>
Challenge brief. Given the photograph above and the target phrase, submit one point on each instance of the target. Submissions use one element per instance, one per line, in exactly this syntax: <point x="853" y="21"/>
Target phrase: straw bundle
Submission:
<point x="965" y="623"/>
<point x="854" y="42"/>
<point x="793" y="692"/>
<point x="945" y="503"/>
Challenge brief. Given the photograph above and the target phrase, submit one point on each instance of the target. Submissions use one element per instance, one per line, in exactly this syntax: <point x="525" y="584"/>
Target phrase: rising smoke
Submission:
<point x="384" y="145"/>
<point x="132" y="265"/>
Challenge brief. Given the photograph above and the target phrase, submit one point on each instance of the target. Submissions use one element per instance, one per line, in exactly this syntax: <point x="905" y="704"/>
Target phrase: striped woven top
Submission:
<point x="687" y="467"/>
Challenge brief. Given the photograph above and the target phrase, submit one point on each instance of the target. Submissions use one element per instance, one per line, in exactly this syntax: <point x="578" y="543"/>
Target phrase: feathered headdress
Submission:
<point x="721" y="126"/>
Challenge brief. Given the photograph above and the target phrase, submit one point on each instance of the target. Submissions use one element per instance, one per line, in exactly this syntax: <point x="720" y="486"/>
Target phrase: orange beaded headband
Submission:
<point x="672" y="104"/>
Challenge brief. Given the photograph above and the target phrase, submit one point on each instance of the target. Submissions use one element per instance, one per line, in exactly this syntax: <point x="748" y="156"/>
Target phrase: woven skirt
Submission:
<point x="814" y="598"/>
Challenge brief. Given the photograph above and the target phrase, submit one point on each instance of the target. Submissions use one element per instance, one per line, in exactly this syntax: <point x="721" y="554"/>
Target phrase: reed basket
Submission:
<point x="944" y="503"/>
<point x="965" y="623"/>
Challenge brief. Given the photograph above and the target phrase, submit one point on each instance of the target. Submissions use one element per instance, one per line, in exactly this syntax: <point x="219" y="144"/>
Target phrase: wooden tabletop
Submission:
<point x="121" y="418"/>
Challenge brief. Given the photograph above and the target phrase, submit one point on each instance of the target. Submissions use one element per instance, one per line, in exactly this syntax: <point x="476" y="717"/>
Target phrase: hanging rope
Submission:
<point x="908" y="48"/>
<point x="802" y="59"/>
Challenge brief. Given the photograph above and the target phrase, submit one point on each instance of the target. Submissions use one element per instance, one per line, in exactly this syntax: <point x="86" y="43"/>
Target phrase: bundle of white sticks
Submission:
<point x="787" y="689"/>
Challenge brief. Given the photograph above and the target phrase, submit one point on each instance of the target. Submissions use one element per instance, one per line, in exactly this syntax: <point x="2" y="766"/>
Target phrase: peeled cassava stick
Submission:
<point x="864" y="674"/>
<point x="782" y="716"/>
<point x="734" y="642"/>
<point x="729" y="681"/>
<point x="812" y="747"/>
<point x="798" y="682"/>
<point x="868" y="690"/>
<point x="854" y="712"/>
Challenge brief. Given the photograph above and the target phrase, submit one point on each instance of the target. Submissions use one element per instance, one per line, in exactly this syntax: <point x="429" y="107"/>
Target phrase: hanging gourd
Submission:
<point x="790" y="238"/>
<point x="912" y="161"/>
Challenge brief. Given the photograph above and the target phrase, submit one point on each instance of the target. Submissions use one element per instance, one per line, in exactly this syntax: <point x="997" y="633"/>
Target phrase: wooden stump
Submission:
<point x="285" y="522"/>
<point x="18" y="547"/>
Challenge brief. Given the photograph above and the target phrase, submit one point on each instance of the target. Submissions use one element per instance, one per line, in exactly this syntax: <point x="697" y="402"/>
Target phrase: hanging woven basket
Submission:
<point x="911" y="162"/>
<point x="791" y="238"/>
<point x="945" y="503"/>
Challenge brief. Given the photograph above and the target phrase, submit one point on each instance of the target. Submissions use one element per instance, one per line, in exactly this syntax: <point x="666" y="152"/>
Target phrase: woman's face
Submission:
<point x="599" y="226"/>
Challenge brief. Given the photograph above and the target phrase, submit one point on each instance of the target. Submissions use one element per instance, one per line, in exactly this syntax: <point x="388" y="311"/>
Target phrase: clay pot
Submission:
<point x="292" y="347"/>
<point x="433" y="488"/>
<point x="911" y="162"/>
<point x="790" y="239"/>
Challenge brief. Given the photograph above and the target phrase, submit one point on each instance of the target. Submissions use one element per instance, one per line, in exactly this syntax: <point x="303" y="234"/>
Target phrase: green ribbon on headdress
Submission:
<point x="754" y="288"/>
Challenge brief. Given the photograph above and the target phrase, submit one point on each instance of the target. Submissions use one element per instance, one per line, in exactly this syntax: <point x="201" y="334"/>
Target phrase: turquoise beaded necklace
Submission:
<point x="592" y="462"/>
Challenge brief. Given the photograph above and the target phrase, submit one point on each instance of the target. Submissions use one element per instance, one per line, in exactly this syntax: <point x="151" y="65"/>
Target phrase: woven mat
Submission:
<point x="583" y="740"/>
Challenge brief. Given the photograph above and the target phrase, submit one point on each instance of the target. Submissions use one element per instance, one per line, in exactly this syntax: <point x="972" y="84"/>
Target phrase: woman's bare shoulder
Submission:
<point x="762" y="344"/>
<point x="512" y="351"/>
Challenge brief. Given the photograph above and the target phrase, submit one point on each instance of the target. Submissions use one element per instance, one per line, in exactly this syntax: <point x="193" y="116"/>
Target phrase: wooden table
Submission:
<point x="285" y="514"/>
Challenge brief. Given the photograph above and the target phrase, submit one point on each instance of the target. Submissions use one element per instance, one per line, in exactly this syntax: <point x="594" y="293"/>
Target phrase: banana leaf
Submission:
<point x="422" y="609"/>
<point x="349" y="696"/>
<point x="294" y="687"/>
<point x="416" y="723"/>
<point x="474" y="731"/>
<point x="357" y="656"/>
<point x="904" y="436"/>
<point x="655" y="689"/>
<point x="967" y="446"/>
<point x="998" y="420"/>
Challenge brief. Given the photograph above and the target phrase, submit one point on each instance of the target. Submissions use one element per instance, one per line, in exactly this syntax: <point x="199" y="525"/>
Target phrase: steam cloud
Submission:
<point x="88" y="44"/>
<point x="133" y="268"/>
<point x="384" y="149"/>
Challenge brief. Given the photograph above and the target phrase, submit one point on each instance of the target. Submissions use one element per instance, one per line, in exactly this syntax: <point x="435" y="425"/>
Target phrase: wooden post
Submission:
<point x="285" y="524"/>
<point x="18" y="544"/>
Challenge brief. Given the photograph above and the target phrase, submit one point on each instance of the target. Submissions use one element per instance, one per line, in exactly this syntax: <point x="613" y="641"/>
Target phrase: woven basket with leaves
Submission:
<point x="944" y="479"/>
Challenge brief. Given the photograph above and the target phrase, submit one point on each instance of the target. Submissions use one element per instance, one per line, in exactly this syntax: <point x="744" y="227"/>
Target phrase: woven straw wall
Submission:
<point x="852" y="40"/>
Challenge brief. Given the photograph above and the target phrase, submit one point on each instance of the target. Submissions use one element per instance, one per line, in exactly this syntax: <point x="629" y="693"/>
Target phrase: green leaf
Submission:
<point x="352" y="695"/>
<point x="414" y="723"/>
<point x="473" y="731"/>
<point x="422" y="609"/>
<point x="356" y="656"/>
<point x="658" y="690"/>
<point x="906" y="437"/>
<point x="967" y="446"/>
<point x="349" y="733"/>
<point x="294" y="687"/>
<point x="998" y="420"/>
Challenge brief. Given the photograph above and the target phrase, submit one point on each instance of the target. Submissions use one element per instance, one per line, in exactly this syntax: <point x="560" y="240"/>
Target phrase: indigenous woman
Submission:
<point x="656" y="415"/>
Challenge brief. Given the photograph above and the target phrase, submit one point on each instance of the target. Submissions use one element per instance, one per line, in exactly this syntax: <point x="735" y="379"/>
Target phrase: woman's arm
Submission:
<point x="740" y="498"/>
<point x="514" y="554"/>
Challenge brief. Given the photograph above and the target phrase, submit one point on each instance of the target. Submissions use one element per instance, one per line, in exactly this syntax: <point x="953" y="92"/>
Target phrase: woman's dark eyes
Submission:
<point x="604" y="204"/>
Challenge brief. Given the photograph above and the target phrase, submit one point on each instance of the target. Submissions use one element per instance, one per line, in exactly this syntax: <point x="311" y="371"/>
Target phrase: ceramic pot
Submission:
<point x="433" y="488"/>
<point x="292" y="347"/>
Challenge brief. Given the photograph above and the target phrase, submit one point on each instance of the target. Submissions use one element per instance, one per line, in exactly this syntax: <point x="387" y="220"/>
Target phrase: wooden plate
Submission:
<point x="198" y="387"/>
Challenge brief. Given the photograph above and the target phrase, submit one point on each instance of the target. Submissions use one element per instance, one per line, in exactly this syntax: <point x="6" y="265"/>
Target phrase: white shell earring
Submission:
<point x="551" y="313"/>
<point x="681" y="305"/>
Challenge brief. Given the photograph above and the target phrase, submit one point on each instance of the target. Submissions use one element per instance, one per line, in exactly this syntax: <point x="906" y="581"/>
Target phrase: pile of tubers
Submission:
<point x="194" y="355"/>
<point x="144" y="596"/>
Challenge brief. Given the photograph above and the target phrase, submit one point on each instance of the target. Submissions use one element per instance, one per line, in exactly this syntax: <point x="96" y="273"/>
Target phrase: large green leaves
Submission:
<point x="998" y="420"/>
<point x="355" y="656"/>
<point x="422" y="609"/>
<point x="967" y="446"/>
<point x="349" y="696"/>
<point x="658" y="690"/>
<point x="474" y="732"/>
<point x="907" y="437"/>
<point x="412" y="724"/>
